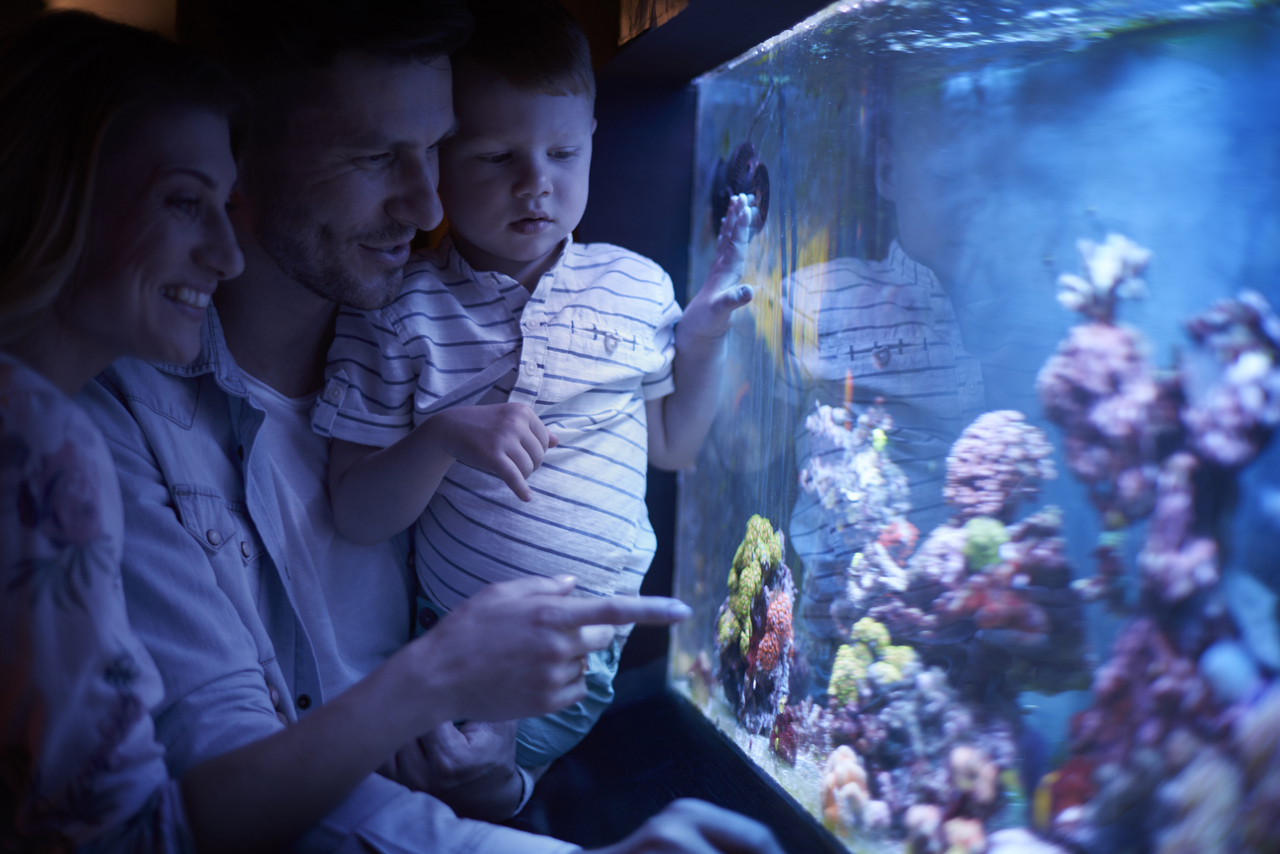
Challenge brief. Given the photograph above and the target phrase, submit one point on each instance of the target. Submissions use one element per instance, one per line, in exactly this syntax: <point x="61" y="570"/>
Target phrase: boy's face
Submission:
<point x="514" y="179"/>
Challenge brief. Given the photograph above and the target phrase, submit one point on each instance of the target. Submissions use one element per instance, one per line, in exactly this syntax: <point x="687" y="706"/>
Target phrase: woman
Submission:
<point x="115" y="170"/>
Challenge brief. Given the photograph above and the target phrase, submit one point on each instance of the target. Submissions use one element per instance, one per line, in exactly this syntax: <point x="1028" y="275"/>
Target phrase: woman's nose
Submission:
<point x="219" y="253"/>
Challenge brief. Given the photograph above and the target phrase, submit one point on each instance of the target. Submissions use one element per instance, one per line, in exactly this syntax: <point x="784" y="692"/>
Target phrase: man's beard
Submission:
<point x="313" y="257"/>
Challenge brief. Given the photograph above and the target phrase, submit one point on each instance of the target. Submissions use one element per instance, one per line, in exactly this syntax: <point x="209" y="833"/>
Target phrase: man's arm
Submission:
<point x="679" y="422"/>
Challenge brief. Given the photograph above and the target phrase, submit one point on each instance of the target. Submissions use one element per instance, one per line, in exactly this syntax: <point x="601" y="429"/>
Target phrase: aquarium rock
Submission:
<point x="998" y="462"/>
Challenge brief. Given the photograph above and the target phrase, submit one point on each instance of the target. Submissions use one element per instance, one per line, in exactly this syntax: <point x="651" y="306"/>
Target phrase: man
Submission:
<point x="254" y="608"/>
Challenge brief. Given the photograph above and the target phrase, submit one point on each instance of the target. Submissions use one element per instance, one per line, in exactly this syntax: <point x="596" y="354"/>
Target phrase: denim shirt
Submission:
<point x="210" y="594"/>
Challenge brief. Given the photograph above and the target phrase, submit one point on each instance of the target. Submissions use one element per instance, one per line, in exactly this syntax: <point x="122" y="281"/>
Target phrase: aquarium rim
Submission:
<point x="840" y="7"/>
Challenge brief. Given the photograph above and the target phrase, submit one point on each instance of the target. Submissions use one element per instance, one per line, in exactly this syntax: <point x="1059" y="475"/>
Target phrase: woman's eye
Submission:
<point x="189" y="205"/>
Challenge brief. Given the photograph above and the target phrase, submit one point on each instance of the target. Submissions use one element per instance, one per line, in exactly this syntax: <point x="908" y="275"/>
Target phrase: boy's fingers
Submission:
<point x="561" y="585"/>
<point x="552" y="440"/>
<point x="595" y="638"/>
<point x="510" y="474"/>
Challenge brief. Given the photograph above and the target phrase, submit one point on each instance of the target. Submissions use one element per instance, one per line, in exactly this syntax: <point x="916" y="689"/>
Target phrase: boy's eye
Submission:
<point x="374" y="159"/>
<point x="503" y="157"/>
<point x="562" y="154"/>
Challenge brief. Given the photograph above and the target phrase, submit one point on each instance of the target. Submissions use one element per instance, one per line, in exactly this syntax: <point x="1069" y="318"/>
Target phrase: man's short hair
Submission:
<point x="536" y="45"/>
<point x="259" y="39"/>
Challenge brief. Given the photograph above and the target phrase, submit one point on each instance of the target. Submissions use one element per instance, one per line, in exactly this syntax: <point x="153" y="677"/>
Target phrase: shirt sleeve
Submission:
<point x="660" y="383"/>
<point x="370" y="380"/>
<point x="79" y="750"/>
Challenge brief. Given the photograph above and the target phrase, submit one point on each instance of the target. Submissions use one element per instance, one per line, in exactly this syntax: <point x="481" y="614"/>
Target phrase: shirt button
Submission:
<point x="334" y="393"/>
<point x="213" y="537"/>
<point x="244" y="549"/>
<point x="610" y="341"/>
<point x="304" y="701"/>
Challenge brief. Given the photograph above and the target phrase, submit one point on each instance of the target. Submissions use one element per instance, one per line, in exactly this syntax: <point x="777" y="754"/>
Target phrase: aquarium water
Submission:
<point x="984" y="546"/>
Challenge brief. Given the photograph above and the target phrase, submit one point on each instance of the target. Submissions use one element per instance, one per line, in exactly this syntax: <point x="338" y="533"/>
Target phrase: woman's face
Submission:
<point x="159" y="240"/>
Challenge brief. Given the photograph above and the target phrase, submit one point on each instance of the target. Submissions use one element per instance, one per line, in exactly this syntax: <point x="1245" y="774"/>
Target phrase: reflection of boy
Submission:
<point x="510" y="331"/>
<point x="890" y="327"/>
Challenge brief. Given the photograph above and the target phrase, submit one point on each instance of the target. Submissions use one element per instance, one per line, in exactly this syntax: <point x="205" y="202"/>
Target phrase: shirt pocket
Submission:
<point x="600" y="350"/>
<point x="215" y="526"/>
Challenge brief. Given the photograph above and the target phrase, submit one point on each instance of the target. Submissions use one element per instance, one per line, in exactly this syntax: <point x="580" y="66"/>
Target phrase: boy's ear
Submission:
<point x="886" y="184"/>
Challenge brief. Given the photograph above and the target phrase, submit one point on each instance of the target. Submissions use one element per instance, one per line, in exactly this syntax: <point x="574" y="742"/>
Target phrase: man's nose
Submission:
<point x="533" y="180"/>
<point x="413" y="200"/>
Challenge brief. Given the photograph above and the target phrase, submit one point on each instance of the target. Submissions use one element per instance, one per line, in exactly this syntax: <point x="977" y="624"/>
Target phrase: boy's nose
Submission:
<point x="533" y="181"/>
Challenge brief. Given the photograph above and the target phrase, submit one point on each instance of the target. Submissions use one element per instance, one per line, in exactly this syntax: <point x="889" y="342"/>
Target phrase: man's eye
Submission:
<point x="375" y="159"/>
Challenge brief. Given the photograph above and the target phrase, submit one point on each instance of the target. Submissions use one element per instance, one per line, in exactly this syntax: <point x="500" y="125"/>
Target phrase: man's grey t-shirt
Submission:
<point x="349" y="582"/>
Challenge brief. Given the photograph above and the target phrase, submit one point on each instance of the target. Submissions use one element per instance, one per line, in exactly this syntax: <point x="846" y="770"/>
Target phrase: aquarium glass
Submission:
<point x="984" y="544"/>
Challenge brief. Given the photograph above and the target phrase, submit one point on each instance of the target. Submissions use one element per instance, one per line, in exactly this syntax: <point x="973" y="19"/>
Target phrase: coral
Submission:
<point x="754" y="634"/>
<point x="1015" y="840"/>
<point x="871" y="574"/>
<point x="998" y="461"/>
<point x="870" y="632"/>
<point x="1232" y="417"/>
<point x="974" y="775"/>
<point x="1176" y="562"/>
<point x="898" y="538"/>
<point x="1113" y="268"/>
<point x="850" y="471"/>
<point x="964" y="836"/>
<point x="869" y="659"/>
<point x="924" y="828"/>
<point x="1257" y="741"/>
<point x="983" y="538"/>
<point x="1115" y="413"/>
<point x="850" y="668"/>
<point x="1201" y="804"/>
<point x="844" y="790"/>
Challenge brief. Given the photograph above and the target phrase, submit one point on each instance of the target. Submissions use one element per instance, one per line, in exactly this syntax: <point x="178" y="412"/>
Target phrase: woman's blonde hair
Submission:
<point x="63" y="77"/>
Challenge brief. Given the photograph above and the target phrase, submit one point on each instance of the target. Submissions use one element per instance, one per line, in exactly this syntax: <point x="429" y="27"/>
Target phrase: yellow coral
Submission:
<point x="871" y="632"/>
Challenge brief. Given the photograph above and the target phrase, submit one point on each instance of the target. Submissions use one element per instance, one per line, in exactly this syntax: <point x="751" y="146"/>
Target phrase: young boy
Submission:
<point x="509" y="399"/>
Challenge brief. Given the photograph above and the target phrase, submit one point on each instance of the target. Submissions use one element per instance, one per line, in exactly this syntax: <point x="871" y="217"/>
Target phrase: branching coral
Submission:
<point x="1175" y="561"/>
<point x="754" y="635"/>
<point x="1231" y="419"/>
<point x="998" y="461"/>
<point x="1113" y="268"/>
<point x="851" y="473"/>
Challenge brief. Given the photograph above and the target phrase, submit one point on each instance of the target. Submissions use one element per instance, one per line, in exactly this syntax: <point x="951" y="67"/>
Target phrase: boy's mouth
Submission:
<point x="533" y="224"/>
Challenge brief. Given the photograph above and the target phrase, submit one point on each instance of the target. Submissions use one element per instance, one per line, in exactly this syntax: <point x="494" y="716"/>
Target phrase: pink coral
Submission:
<point x="998" y="461"/>
<point x="1233" y="417"/>
<point x="1100" y="388"/>
<point x="1175" y="561"/>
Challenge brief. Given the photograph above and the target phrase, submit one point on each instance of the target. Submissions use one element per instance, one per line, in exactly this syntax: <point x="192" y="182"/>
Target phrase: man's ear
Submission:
<point x="886" y="175"/>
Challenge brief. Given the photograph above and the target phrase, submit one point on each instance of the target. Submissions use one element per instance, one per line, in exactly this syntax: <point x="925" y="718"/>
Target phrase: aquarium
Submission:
<point x="985" y="542"/>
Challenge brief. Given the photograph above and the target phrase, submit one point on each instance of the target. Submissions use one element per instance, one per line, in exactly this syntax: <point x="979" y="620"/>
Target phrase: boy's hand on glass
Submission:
<point x="710" y="311"/>
<point x="517" y="649"/>
<point x="505" y="439"/>
<point x="689" y="826"/>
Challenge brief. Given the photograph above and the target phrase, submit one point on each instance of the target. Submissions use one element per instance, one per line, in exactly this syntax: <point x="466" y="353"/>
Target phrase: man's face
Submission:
<point x="336" y="194"/>
<point x="514" y="179"/>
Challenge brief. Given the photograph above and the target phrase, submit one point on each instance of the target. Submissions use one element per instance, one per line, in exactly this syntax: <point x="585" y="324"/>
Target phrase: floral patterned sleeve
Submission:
<point x="79" y="763"/>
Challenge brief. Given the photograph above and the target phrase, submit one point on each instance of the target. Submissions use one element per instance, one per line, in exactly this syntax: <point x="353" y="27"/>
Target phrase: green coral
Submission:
<point x="984" y="537"/>
<point x="728" y="628"/>
<point x="744" y="639"/>
<point x="850" y="666"/>
<point x="899" y="656"/>
<point x="870" y="632"/>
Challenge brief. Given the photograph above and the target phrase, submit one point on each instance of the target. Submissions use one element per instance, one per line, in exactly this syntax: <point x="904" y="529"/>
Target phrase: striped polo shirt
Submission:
<point x="590" y="345"/>
<point x="891" y="327"/>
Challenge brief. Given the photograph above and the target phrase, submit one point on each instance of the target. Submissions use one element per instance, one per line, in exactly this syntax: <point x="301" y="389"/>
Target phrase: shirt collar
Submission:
<point x="910" y="270"/>
<point x="499" y="281"/>
<point x="214" y="358"/>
